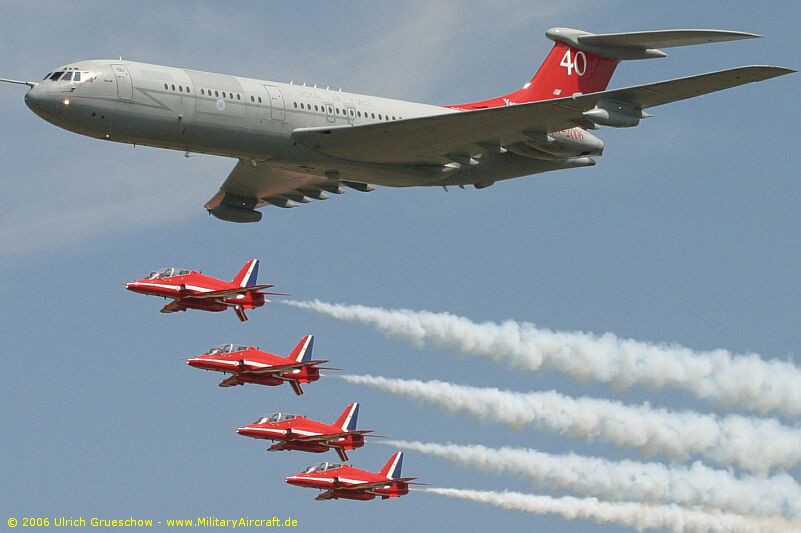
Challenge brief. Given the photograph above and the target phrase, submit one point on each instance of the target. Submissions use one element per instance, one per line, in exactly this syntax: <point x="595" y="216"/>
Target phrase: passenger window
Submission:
<point x="393" y="117"/>
<point x="301" y="105"/>
<point x="180" y="88"/>
<point x="259" y="99"/>
<point x="187" y="89"/>
<point x="295" y="104"/>
<point x="238" y="96"/>
<point x="315" y="108"/>
<point x="337" y="110"/>
<point x="165" y="87"/>
<point x="252" y="99"/>
<point x="379" y="116"/>
<point x="76" y="76"/>
<point x="67" y="76"/>
<point x="202" y="91"/>
<point x="359" y="114"/>
<point x="330" y="109"/>
<point x="217" y="94"/>
<point x="373" y="115"/>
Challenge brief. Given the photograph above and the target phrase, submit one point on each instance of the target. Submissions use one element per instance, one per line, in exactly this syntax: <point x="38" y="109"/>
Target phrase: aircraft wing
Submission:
<point x="431" y="139"/>
<point x="173" y="307"/>
<point x="254" y="184"/>
<point x="329" y="436"/>
<point x="280" y="369"/>
<point x="226" y="293"/>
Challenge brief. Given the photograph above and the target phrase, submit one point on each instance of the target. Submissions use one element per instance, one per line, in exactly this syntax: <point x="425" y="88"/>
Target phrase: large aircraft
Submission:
<point x="346" y="482"/>
<point x="248" y="364"/>
<point x="298" y="142"/>
<point x="190" y="289"/>
<point x="296" y="432"/>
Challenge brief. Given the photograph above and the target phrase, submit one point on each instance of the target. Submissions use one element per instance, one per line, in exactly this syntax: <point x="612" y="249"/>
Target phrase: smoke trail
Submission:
<point x="744" y="381"/>
<point x="754" y="444"/>
<point x="635" y="515"/>
<point x="697" y="484"/>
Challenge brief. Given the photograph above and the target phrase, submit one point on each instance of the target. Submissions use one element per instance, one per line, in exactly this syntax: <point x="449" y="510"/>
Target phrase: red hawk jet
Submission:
<point x="190" y="289"/>
<point x="343" y="481"/>
<point x="251" y="365"/>
<point x="295" y="432"/>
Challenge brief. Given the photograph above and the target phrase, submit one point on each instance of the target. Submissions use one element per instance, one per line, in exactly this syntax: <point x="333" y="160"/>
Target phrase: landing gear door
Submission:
<point x="124" y="83"/>
<point x="276" y="99"/>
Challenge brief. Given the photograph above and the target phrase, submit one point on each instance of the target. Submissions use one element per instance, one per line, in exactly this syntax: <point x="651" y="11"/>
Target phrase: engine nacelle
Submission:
<point x="232" y="213"/>
<point x="565" y="143"/>
<point x="615" y="114"/>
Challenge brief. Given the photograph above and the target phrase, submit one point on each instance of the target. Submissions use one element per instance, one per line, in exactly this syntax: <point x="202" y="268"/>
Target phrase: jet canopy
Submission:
<point x="275" y="417"/>
<point x="322" y="467"/>
<point x="168" y="273"/>
<point x="226" y="348"/>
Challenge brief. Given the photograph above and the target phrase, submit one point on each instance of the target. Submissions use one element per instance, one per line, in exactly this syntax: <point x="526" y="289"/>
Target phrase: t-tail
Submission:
<point x="248" y="275"/>
<point x="582" y="62"/>
<point x="392" y="470"/>
<point x="347" y="420"/>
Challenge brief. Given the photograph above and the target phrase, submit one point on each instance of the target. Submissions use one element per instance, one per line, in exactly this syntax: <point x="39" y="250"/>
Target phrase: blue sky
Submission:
<point x="686" y="231"/>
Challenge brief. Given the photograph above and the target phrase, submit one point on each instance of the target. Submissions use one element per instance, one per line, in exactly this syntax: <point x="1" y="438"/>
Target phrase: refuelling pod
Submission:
<point x="232" y="213"/>
<point x="615" y="114"/>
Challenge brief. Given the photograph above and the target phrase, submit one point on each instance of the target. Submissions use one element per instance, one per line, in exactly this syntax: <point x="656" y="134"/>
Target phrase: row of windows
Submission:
<point x="180" y="88"/>
<point x="319" y="108"/>
<point x="344" y="112"/>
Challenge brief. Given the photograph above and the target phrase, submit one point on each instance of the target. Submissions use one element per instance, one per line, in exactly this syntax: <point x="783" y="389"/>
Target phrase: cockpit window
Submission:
<point x="168" y="273"/>
<point x="226" y="348"/>
<point x="67" y="76"/>
<point x="275" y="417"/>
<point x="322" y="467"/>
<point x="47" y="75"/>
<point x="56" y="75"/>
<point x="76" y="76"/>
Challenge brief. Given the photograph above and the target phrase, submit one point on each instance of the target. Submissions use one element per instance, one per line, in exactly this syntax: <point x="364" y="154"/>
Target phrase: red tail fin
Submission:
<point x="247" y="276"/>
<point x="565" y="72"/>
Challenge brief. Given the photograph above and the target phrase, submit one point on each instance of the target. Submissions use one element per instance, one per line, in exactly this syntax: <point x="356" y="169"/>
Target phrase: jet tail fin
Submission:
<point x="302" y="352"/>
<point x="581" y="62"/>
<point x="347" y="420"/>
<point x="393" y="467"/>
<point x="248" y="275"/>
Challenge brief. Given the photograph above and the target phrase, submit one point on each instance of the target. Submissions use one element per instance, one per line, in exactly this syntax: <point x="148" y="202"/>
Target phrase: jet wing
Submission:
<point x="280" y="369"/>
<point x="431" y="139"/>
<point x="173" y="307"/>
<point x="226" y="293"/>
<point x="254" y="184"/>
<point x="328" y="436"/>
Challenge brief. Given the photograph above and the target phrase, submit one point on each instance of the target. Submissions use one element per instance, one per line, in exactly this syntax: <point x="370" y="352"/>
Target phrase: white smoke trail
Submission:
<point x="753" y="444"/>
<point x="743" y="381"/>
<point x="635" y="515"/>
<point x="697" y="484"/>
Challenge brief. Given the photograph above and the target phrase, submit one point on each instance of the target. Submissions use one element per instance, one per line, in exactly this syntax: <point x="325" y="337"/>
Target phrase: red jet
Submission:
<point x="251" y="365"/>
<point x="343" y="481"/>
<point x="295" y="432"/>
<point x="190" y="289"/>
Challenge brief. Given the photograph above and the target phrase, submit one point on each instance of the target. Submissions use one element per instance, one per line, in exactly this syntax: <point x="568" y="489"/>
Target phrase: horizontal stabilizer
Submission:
<point x="641" y="44"/>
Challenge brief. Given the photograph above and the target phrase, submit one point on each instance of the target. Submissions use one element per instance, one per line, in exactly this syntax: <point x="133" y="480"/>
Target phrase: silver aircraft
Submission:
<point x="298" y="142"/>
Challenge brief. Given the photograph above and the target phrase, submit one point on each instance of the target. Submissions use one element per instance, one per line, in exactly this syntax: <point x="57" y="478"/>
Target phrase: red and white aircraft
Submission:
<point x="343" y="481"/>
<point x="251" y="365"/>
<point x="190" y="289"/>
<point x="296" y="432"/>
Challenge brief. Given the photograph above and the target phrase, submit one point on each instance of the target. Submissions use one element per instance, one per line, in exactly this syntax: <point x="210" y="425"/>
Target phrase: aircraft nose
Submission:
<point x="44" y="103"/>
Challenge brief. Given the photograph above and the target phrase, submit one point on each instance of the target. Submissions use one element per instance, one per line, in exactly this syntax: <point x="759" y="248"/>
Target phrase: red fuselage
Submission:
<point x="254" y="366"/>
<point x="347" y="478"/>
<point x="296" y="434"/>
<point x="184" y="289"/>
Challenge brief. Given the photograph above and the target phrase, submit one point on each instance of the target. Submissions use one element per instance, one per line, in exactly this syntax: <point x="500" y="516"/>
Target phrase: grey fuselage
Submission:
<point x="203" y="112"/>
